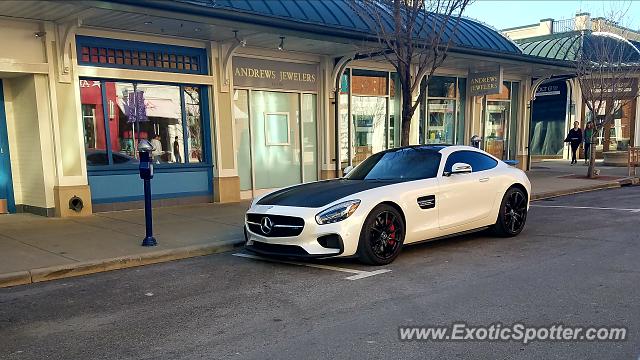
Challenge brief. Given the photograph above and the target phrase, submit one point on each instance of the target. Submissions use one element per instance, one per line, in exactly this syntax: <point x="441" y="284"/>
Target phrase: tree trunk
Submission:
<point x="407" y="114"/>
<point x="592" y="154"/>
<point x="406" y="129"/>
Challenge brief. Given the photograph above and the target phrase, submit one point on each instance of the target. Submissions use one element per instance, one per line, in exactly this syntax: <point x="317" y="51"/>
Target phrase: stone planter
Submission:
<point x="615" y="158"/>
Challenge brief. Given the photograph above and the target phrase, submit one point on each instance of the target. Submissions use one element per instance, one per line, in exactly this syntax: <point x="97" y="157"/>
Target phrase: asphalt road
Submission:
<point x="571" y="266"/>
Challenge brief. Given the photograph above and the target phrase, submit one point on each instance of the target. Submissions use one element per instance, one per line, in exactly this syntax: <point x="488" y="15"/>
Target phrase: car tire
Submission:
<point x="512" y="214"/>
<point x="382" y="236"/>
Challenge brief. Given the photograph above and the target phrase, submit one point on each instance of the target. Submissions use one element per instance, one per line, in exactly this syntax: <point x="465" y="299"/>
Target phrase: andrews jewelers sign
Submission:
<point x="269" y="74"/>
<point x="486" y="82"/>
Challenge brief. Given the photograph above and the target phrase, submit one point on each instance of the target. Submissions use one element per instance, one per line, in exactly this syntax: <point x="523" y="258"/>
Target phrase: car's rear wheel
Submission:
<point x="382" y="236"/>
<point x="513" y="213"/>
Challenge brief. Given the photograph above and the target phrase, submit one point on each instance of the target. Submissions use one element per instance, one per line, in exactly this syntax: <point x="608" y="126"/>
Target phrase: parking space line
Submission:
<point x="359" y="274"/>
<point x="583" y="207"/>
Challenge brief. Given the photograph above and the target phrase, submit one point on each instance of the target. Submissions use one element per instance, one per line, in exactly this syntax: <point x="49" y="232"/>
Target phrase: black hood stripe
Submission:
<point x="320" y="193"/>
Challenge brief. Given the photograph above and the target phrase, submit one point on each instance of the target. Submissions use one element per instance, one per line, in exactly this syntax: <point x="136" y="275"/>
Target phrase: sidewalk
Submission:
<point x="34" y="248"/>
<point x="557" y="177"/>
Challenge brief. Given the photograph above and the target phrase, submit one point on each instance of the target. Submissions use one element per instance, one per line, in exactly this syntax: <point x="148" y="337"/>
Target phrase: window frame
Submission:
<point x="118" y="52"/>
<point x="473" y="170"/>
<point x="203" y="91"/>
<point x="267" y="137"/>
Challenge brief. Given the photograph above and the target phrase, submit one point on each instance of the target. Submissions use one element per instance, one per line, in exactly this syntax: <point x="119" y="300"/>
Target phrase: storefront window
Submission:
<point x="548" y="119"/>
<point x="343" y="111"/>
<point x="394" y="112"/>
<point x="195" y="139"/>
<point x="617" y="134"/>
<point x="136" y="111"/>
<point x="309" y="137"/>
<point x="462" y="97"/>
<point x="93" y="121"/>
<point x="500" y="121"/>
<point x="368" y="113"/>
<point x="442" y="112"/>
<point x="243" y="147"/>
<point x="441" y="115"/>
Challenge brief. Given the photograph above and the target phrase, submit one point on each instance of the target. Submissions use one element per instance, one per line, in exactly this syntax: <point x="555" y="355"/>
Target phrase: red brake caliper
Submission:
<point x="392" y="233"/>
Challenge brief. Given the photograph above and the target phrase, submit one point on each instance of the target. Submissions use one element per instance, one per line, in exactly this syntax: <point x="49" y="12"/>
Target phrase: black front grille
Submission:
<point x="276" y="249"/>
<point x="282" y="226"/>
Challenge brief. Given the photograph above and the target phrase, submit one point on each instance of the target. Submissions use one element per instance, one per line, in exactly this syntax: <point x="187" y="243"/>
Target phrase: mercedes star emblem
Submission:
<point x="266" y="225"/>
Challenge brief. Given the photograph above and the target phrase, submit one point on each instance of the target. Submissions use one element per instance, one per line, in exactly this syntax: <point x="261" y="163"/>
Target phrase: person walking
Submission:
<point x="574" y="138"/>
<point x="176" y="150"/>
<point x="588" y="133"/>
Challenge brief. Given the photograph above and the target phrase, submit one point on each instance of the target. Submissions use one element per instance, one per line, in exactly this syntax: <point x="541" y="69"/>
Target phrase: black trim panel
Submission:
<point x="427" y="202"/>
<point x="320" y="193"/>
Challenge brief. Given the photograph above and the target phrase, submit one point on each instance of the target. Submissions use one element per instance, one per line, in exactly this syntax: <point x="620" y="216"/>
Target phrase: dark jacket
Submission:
<point x="574" y="137"/>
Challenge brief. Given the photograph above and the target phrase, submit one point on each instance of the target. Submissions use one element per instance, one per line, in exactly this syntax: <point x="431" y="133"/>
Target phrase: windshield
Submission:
<point x="402" y="164"/>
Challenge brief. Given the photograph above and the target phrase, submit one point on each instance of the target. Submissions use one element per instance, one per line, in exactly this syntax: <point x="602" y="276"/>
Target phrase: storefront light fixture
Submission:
<point x="242" y="42"/>
<point x="281" y="45"/>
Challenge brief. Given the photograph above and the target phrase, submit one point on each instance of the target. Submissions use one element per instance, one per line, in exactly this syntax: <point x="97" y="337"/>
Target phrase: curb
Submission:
<point x="96" y="266"/>
<point x="552" y="194"/>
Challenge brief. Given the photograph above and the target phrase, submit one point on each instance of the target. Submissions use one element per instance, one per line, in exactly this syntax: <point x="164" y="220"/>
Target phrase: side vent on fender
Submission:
<point x="427" y="202"/>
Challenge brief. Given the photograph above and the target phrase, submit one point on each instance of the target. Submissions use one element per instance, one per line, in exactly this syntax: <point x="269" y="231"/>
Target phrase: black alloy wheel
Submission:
<point x="513" y="213"/>
<point x="382" y="236"/>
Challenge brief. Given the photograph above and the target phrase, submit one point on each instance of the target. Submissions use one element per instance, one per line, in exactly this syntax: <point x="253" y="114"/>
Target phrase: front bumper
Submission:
<point x="314" y="241"/>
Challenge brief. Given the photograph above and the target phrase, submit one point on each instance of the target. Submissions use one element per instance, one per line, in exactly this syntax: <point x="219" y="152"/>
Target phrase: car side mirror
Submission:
<point x="459" y="168"/>
<point x="347" y="170"/>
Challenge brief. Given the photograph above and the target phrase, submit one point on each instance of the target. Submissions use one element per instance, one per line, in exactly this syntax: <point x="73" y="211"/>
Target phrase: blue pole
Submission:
<point x="149" y="240"/>
<point x="146" y="173"/>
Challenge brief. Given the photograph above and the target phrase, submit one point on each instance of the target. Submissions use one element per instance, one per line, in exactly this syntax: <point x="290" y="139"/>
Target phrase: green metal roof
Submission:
<point x="571" y="45"/>
<point x="340" y="18"/>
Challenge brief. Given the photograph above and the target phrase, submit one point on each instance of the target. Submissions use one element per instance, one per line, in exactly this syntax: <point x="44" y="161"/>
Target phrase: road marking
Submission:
<point x="584" y="207"/>
<point x="359" y="274"/>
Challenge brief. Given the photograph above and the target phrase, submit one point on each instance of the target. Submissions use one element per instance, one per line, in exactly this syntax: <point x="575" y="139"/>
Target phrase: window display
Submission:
<point x="442" y="111"/>
<point x="126" y="112"/>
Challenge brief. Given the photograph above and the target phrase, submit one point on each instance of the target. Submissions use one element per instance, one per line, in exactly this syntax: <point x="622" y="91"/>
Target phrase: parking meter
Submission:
<point x="475" y="141"/>
<point x="146" y="165"/>
<point x="146" y="174"/>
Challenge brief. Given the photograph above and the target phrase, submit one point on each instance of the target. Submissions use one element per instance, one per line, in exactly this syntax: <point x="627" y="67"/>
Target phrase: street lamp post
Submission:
<point x="146" y="174"/>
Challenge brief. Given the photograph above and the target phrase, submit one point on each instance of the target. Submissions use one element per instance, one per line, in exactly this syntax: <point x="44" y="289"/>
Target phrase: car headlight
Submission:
<point x="337" y="212"/>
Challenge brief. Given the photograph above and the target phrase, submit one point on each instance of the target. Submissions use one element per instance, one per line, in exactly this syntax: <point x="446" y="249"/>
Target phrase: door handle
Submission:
<point x="484" y="179"/>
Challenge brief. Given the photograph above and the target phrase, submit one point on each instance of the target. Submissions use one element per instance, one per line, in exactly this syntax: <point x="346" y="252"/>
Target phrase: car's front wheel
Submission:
<point x="513" y="213"/>
<point x="382" y="236"/>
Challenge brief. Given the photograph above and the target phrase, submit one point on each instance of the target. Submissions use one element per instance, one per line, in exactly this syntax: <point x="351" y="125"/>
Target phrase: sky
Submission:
<point x="510" y="13"/>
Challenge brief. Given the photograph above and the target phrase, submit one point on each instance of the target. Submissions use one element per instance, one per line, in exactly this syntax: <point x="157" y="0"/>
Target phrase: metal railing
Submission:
<point x="564" y="25"/>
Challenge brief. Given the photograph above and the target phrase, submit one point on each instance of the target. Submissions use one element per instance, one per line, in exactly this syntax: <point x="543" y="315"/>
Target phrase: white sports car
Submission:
<point x="393" y="198"/>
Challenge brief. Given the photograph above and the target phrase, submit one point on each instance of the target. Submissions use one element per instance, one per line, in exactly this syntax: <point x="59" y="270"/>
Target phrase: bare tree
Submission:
<point x="413" y="34"/>
<point x="607" y="69"/>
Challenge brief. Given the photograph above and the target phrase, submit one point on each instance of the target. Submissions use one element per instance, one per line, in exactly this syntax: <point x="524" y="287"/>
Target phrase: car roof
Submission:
<point x="432" y="147"/>
<point x="444" y="149"/>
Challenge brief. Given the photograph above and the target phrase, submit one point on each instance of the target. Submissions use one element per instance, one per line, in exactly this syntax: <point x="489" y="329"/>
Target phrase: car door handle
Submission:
<point x="484" y="179"/>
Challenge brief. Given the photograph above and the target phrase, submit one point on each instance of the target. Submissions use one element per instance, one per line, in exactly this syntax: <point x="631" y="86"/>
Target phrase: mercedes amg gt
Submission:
<point x="393" y="198"/>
